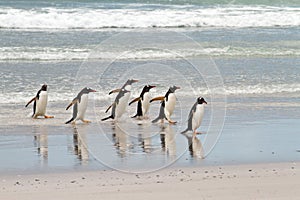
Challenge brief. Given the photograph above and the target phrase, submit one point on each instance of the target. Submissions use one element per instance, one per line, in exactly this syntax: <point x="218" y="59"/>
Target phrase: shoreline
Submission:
<point x="268" y="180"/>
<point x="48" y="148"/>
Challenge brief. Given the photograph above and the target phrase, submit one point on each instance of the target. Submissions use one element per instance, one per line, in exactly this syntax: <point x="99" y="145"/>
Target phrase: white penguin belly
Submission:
<point x="170" y="105"/>
<point x="122" y="105"/>
<point x="146" y="103"/>
<point x="197" y="117"/>
<point x="82" y="106"/>
<point x="41" y="104"/>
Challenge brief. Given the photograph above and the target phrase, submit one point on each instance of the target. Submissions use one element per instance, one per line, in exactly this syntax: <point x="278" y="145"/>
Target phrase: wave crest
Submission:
<point x="143" y="17"/>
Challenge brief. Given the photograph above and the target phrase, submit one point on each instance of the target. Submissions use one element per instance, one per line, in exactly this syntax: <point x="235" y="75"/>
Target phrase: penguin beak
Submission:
<point x="93" y="90"/>
<point x="152" y="86"/>
<point x="177" y="87"/>
<point x="134" y="80"/>
<point x="204" y="102"/>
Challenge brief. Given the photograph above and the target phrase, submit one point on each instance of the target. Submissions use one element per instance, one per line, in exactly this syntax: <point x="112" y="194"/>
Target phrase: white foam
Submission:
<point x="53" y="96"/>
<point x="141" y="17"/>
<point x="53" y="53"/>
<point x="259" y="88"/>
<point x="42" y="53"/>
<point x="15" y="97"/>
<point x="263" y="89"/>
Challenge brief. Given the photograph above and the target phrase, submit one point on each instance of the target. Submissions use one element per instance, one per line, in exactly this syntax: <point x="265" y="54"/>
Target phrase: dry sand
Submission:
<point x="259" y="181"/>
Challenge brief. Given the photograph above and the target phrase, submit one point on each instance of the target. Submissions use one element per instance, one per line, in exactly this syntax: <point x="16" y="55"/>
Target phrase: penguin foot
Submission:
<point x="47" y="116"/>
<point x="172" y="122"/>
<point x="86" y="121"/>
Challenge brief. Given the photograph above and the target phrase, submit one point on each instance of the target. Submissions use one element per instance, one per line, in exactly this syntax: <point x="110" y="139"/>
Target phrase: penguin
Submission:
<point x="121" y="101"/>
<point x="40" y="103"/>
<point x="119" y="105"/>
<point x="195" y="116"/>
<point x="80" y="103"/>
<point x="167" y="105"/>
<point x="143" y="102"/>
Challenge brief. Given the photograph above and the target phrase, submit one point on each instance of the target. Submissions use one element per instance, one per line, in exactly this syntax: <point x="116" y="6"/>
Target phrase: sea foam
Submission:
<point x="144" y="17"/>
<point x="260" y="88"/>
<point x="92" y="53"/>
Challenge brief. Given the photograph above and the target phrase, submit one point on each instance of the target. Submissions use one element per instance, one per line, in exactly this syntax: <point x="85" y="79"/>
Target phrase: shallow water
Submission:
<point x="147" y="148"/>
<point x="253" y="132"/>
<point x="242" y="58"/>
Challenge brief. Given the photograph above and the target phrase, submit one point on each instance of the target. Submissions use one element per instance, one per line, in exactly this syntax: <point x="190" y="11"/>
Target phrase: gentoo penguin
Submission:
<point x="40" y="103"/>
<point x="195" y="116"/>
<point x="80" y="103"/>
<point x="143" y="101"/>
<point x="121" y="101"/>
<point x="167" y="105"/>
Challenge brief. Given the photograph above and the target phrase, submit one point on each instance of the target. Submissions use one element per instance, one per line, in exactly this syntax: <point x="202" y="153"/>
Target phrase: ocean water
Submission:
<point x="242" y="56"/>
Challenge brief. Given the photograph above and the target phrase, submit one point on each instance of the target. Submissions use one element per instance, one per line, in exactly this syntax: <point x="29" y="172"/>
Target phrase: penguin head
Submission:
<point x="87" y="90"/>
<point x="44" y="87"/>
<point x="130" y="81"/>
<point x="147" y="88"/>
<point x="173" y="88"/>
<point x="201" y="100"/>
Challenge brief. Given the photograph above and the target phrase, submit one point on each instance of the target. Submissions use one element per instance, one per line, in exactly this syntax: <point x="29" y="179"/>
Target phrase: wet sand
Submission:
<point x="259" y="181"/>
<point x="48" y="148"/>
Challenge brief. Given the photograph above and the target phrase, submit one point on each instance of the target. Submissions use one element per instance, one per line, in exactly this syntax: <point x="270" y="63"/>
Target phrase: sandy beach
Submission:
<point x="255" y="181"/>
<point x="241" y="56"/>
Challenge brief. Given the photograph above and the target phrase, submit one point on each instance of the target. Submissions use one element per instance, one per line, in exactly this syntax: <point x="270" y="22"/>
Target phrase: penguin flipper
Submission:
<point x="156" y="119"/>
<point x="161" y="98"/>
<point x="114" y="91"/>
<point x="161" y="114"/>
<point x="191" y="114"/>
<point x="72" y="103"/>
<point x="190" y="118"/>
<point x="29" y="102"/>
<point x="69" y="121"/>
<point x="106" y="118"/>
<point x="134" y="100"/>
<point x="109" y="107"/>
<point x="34" y="108"/>
<point x="75" y="110"/>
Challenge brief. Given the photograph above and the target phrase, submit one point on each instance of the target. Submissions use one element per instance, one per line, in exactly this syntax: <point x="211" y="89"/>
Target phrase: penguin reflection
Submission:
<point x="41" y="142"/>
<point x="80" y="145"/>
<point x="120" y="140"/>
<point x="195" y="146"/>
<point x="145" y="143"/>
<point x="145" y="139"/>
<point x="167" y="138"/>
